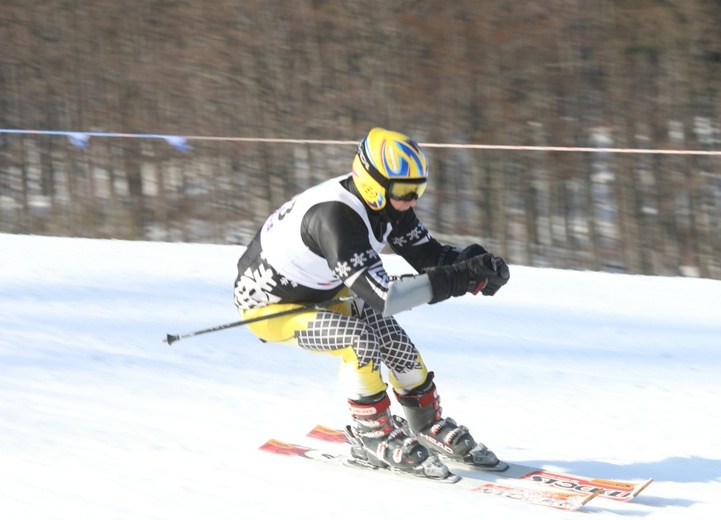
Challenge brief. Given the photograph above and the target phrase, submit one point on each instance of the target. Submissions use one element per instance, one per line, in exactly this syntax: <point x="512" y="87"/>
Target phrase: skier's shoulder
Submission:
<point x="332" y="190"/>
<point x="330" y="204"/>
<point x="332" y="222"/>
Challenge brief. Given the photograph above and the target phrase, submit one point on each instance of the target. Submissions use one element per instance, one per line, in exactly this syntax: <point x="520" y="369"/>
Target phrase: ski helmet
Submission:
<point x="389" y="164"/>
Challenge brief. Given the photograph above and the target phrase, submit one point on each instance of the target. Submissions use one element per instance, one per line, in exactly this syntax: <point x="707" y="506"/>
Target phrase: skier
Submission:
<point x="325" y="243"/>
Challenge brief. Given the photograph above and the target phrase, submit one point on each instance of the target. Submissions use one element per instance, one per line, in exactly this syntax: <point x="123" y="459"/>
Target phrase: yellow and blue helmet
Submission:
<point x="389" y="164"/>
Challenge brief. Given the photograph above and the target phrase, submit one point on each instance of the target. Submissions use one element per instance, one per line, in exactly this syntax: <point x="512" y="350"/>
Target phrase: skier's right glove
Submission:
<point x="484" y="273"/>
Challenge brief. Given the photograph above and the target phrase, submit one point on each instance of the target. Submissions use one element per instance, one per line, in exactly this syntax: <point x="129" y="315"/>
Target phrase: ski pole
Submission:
<point x="172" y="338"/>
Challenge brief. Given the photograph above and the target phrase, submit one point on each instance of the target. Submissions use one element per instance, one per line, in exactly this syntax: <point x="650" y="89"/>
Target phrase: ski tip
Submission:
<point x="325" y="433"/>
<point x="283" y="448"/>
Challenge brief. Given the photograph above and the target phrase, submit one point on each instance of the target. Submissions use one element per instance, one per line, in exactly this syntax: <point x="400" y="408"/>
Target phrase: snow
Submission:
<point x="599" y="374"/>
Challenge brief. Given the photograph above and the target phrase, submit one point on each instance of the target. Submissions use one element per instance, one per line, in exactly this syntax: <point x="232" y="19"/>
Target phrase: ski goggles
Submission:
<point x="406" y="191"/>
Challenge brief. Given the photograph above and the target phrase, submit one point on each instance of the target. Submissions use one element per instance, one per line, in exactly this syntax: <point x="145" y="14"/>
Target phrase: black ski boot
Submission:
<point x="423" y="411"/>
<point x="377" y="442"/>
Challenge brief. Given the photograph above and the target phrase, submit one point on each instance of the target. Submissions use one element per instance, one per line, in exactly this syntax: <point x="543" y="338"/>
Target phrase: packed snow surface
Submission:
<point x="605" y="375"/>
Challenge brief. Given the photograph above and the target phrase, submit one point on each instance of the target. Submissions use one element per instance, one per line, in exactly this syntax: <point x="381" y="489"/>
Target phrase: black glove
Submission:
<point x="470" y="252"/>
<point x="448" y="280"/>
<point x="485" y="273"/>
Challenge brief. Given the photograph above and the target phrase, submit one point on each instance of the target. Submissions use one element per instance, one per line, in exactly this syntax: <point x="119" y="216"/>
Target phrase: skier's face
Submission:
<point x="402" y="205"/>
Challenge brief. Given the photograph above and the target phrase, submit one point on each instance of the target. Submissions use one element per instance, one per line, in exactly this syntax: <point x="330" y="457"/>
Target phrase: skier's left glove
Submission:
<point x="487" y="274"/>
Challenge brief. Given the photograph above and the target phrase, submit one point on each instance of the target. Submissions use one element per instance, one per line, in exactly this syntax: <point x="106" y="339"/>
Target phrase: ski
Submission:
<point x="621" y="491"/>
<point x="540" y="497"/>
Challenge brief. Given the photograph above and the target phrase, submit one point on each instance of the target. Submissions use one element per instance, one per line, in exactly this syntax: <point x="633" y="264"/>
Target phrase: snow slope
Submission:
<point x="606" y="375"/>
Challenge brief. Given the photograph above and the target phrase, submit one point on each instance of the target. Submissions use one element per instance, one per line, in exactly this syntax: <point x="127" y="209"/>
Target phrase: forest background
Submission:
<point x="230" y="107"/>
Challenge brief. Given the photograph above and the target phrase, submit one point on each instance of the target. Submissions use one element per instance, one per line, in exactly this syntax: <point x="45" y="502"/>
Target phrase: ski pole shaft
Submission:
<point x="172" y="338"/>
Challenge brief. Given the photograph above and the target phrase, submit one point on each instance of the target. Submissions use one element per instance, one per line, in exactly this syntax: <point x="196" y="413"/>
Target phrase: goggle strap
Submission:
<point x="370" y="168"/>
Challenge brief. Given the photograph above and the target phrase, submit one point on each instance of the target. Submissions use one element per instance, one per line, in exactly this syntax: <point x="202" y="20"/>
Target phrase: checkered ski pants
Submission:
<point x="374" y="340"/>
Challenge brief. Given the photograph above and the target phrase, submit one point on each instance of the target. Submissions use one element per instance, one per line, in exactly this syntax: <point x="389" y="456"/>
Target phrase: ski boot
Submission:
<point x="376" y="442"/>
<point x="423" y="411"/>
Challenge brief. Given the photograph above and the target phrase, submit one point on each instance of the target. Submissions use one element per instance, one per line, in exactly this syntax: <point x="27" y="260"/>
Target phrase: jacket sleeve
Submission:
<point x="412" y="240"/>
